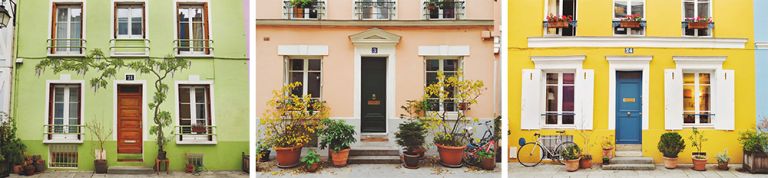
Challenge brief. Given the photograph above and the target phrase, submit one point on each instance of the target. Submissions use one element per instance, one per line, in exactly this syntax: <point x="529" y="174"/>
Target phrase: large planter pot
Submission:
<point x="100" y="166"/>
<point x="29" y="170"/>
<point x="450" y="156"/>
<point x="313" y="167"/>
<point x="572" y="165"/>
<point x="585" y="163"/>
<point x="410" y="161"/>
<point x="755" y="162"/>
<point x="722" y="166"/>
<point x="699" y="164"/>
<point x="340" y="157"/>
<point x="488" y="163"/>
<point x="288" y="157"/>
<point x="670" y="163"/>
<point x="40" y="165"/>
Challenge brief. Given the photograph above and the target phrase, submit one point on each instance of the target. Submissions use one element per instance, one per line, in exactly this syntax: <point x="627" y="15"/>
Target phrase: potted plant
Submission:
<point x="290" y="122"/>
<point x="338" y="136"/>
<point x="571" y="156"/>
<point x="487" y="161"/>
<point x="97" y="129"/>
<point x="554" y="21"/>
<point x="631" y="21"/>
<point x="754" y="144"/>
<point x="301" y="7"/>
<point x="585" y="162"/>
<point x="698" y="22"/>
<point x="606" y="161"/>
<point x="12" y="148"/>
<point x="722" y="160"/>
<point x="448" y="132"/>
<point x="263" y="151"/>
<point x="411" y="135"/>
<point x="670" y="145"/>
<point x="699" y="157"/>
<point x="607" y="147"/>
<point x="311" y="161"/>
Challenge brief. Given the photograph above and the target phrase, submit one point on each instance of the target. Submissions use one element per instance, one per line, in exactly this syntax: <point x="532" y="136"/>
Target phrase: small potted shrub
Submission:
<point x="606" y="161"/>
<point x="754" y="144"/>
<point x="699" y="157"/>
<point x="585" y="162"/>
<point x="263" y="151"/>
<point x="11" y="147"/>
<point x="722" y="160"/>
<point x="311" y="161"/>
<point x="571" y="155"/>
<point x="411" y="135"/>
<point x="670" y="145"/>
<point x="487" y="160"/>
<point x="338" y="136"/>
<point x="607" y="147"/>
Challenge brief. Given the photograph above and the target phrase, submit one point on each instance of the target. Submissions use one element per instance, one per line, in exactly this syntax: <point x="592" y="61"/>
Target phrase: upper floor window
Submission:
<point x="629" y="17"/>
<point x="64" y="117"/>
<point x="67" y="29"/>
<point x="192" y="34"/>
<point x="195" y="113"/>
<point x="308" y="71"/>
<point x="561" y="17"/>
<point x="129" y="21"/>
<point x="304" y="9"/>
<point x="375" y="9"/>
<point x="697" y="11"/>
<point x="560" y="99"/>
<point x="449" y="66"/>
<point x="443" y="9"/>
<point x="696" y="98"/>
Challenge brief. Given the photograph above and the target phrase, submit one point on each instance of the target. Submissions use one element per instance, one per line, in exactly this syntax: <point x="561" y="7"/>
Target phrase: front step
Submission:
<point x="630" y="157"/>
<point x="629" y="166"/>
<point x="129" y="170"/>
<point x="629" y="153"/>
<point x="374" y="151"/>
<point x="369" y="154"/>
<point x="632" y="160"/>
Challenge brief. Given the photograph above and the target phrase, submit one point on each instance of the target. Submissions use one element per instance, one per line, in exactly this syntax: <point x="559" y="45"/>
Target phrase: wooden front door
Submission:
<point x="374" y="95"/>
<point x="129" y="127"/>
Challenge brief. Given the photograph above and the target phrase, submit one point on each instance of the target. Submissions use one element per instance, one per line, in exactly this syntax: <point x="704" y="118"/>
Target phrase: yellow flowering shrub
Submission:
<point x="291" y="120"/>
<point x="448" y="127"/>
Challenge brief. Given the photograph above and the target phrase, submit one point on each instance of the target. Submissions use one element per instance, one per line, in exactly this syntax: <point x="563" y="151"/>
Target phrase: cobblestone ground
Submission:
<point x="70" y="174"/>
<point x="428" y="169"/>
<point x="556" y="171"/>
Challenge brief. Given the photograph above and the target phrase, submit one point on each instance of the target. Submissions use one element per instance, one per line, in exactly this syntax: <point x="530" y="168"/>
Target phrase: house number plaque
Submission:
<point x="374" y="50"/>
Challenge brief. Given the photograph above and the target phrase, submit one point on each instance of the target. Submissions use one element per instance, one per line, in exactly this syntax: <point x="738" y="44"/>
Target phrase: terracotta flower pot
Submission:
<point x="29" y="170"/>
<point x="670" y="163"/>
<point x="572" y="165"/>
<point x="298" y="12"/>
<point x="450" y="156"/>
<point x="340" y="157"/>
<point x="288" y="157"/>
<point x="17" y="169"/>
<point x="722" y="165"/>
<point x="585" y="163"/>
<point x="557" y="24"/>
<point x="313" y="167"/>
<point x="488" y="163"/>
<point x="420" y="152"/>
<point x="411" y="161"/>
<point x="699" y="164"/>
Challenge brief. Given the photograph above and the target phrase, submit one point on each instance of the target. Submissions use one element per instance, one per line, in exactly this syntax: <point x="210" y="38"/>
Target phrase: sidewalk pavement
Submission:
<point x="682" y="171"/>
<point x="428" y="169"/>
<point x="72" y="174"/>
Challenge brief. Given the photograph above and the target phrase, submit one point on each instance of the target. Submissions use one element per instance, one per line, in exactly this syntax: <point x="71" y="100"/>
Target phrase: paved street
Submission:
<point x="70" y="174"/>
<point x="427" y="170"/>
<point x="557" y="171"/>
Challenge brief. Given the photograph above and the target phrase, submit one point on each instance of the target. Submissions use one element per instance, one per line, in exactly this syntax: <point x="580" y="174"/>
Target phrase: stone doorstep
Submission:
<point x="629" y="167"/>
<point x="374" y="138"/>
<point x="374" y="159"/>
<point x="629" y="147"/>
<point x="130" y="170"/>
<point x="632" y="160"/>
<point x="629" y="154"/>
<point x="374" y="151"/>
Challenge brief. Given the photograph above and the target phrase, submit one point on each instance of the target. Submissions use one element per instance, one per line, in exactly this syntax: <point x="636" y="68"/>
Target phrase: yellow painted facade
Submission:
<point x="733" y="20"/>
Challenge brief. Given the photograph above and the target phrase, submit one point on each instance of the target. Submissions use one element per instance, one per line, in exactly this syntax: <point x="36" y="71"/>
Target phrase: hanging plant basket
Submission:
<point x="629" y="24"/>
<point x="698" y="25"/>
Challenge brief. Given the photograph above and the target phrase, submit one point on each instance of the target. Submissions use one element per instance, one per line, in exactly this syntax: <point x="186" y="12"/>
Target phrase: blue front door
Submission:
<point x="629" y="107"/>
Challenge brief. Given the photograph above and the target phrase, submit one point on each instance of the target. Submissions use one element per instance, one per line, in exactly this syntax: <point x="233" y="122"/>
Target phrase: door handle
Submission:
<point x="629" y="114"/>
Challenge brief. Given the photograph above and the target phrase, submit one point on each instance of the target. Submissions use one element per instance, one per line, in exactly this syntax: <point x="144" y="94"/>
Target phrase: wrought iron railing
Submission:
<point x="315" y="10"/>
<point x="375" y="9"/>
<point x="129" y="47"/>
<point x="196" y="132"/>
<point x="443" y="9"/>
<point x="61" y="132"/>
<point x="193" y="46"/>
<point x="66" y="46"/>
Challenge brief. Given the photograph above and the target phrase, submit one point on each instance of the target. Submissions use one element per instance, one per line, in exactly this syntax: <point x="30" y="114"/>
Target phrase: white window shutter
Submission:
<point x="531" y="99"/>
<point x="673" y="99"/>
<point x="724" y="103"/>
<point x="585" y="92"/>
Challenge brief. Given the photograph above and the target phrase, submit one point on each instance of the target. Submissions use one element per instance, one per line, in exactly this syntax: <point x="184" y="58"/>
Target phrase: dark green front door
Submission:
<point x="374" y="94"/>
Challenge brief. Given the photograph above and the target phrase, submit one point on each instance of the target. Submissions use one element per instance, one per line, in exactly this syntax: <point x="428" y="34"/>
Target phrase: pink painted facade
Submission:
<point x="407" y="38"/>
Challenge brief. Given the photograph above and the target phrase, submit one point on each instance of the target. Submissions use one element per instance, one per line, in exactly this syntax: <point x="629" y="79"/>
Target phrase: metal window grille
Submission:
<point x="375" y="9"/>
<point x="63" y="155"/>
<point x="315" y="10"/>
<point x="195" y="159"/>
<point x="552" y="141"/>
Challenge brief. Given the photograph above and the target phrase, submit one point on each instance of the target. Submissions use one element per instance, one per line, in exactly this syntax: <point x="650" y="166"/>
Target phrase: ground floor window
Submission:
<point x="63" y="156"/>
<point x="308" y="71"/>
<point x="64" y="121"/>
<point x="449" y="66"/>
<point x="696" y="98"/>
<point x="195" y="113"/>
<point x="559" y="97"/>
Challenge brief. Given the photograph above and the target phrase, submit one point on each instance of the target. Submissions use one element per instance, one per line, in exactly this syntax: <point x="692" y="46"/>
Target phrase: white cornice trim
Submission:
<point x="374" y="23"/>
<point x="761" y="45"/>
<point x="639" y="42"/>
<point x="539" y="59"/>
<point x="679" y="59"/>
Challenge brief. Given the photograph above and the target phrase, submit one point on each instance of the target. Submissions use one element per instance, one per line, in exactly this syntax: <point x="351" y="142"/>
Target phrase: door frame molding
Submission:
<point x="628" y="63"/>
<point x="385" y="43"/>
<point x="144" y="127"/>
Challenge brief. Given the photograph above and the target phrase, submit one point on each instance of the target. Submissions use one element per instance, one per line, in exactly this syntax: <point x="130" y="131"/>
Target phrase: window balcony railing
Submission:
<point x="60" y="133"/>
<point x="195" y="133"/>
<point x="315" y="10"/>
<point x="66" y="46"/>
<point x="375" y="9"/>
<point x="443" y="9"/>
<point x="193" y="47"/>
<point x="129" y="47"/>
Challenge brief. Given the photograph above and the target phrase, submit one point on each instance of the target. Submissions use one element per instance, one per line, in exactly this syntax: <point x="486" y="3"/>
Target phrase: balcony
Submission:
<point x="196" y="134"/>
<point x="60" y="133"/>
<point x="443" y="9"/>
<point x="66" y="47"/>
<point x="129" y="47"/>
<point x="312" y="11"/>
<point x="193" y="47"/>
<point x="375" y="9"/>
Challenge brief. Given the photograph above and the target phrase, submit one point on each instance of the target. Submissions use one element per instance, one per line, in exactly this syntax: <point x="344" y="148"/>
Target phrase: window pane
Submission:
<point x="552" y="98"/>
<point x="431" y="78"/>
<point x="297" y="77"/>
<point x="314" y="64"/>
<point x="637" y="8"/>
<point x="568" y="118"/>
<point x="200" y="95"/>
<point x="704" y="98"/>
<point x="620" y="9"/>
<point x="184" y="111"/>
<point x="703" y="32"/>
<point x="704" y="78"/>
<point x="568" y="98"/>
<point x="689" y="118"/>
<point x="75" y="14"/>
<point x="552" y="78"/>
<point x="73" y="110"/>
<point x="568" y="78"/>
<point x="122" y="21"/>
<point x="313" y="88"/>
<point x="704" y="118"/>
<point x="58" y="110"/>
<point x="184" y="95"/>
<point x="449" y="105"/>
<point x="200" y="112"/>
<point x="553" y="7"/>
<point x="551" y="119"/>
<point x="689" y="12"/>
<point x="450" y="65"/>
<point x="58" y="94"/>
<point x="689" y="78"/>
<point x="703" y="10"/>
<point x="137" y="14"/>
<point x="297" y="64"/>
<point x="198" y="34"/>
<point x="74" y="94"/>
<point x="433" y="65"/>
<point x="688" y="100"/>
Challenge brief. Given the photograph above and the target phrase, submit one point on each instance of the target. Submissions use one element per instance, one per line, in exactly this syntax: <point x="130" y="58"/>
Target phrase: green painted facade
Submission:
<point x="226" y="69"/>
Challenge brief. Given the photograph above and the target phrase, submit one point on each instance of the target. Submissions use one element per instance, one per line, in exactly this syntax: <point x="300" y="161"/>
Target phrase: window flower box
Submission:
<point x="699" y="22"/>
<point x="631" y="21"/>
<point x="558" y="21"/>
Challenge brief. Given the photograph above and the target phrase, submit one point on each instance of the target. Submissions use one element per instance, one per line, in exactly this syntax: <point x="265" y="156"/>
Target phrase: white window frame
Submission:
<point x="695" y="13"/>
<point x="130" y="7"/>
<point x="305" y="73"/>
<point x="559" y="13"/>
<point x="192" y="139"/>
<point x="459" y="68"/>
<point x="697" y="101"/>
<point x="63" y="138"/>
<point x="629" y="12"/>
<point x="559" y="111"/>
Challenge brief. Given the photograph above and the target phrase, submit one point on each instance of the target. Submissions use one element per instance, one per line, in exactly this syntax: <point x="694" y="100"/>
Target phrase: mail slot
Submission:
<point x="129" y="141"/>
<point x="629" y="100"/>
<point x="374" y="102"/>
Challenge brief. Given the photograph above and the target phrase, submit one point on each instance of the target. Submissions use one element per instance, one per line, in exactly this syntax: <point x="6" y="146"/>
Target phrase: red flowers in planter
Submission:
<point x="554" y="21"/>
<point x="699" y="22"/>
<point x="631" y="21"/>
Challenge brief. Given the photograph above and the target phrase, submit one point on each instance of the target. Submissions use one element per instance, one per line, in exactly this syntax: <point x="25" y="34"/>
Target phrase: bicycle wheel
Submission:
<point x="530" y="154"/>
<point x="470" y="154"/>
<point x="559" y="151"/>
